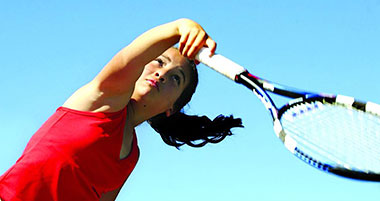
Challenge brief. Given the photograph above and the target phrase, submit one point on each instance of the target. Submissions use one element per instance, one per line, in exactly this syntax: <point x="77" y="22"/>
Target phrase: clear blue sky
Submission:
<point x="50" y="48"/>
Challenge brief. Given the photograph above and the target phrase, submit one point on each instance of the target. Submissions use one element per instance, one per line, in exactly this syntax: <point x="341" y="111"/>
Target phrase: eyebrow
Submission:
<point x="166" y="57"/>
<point x="183" y="74"/>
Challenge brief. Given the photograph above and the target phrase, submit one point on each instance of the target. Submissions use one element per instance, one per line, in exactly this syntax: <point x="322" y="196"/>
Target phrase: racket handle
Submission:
<point x="219" y="63"/>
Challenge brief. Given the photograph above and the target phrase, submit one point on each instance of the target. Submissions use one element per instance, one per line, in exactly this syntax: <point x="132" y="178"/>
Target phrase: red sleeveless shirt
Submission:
<point x="75" y="155"/>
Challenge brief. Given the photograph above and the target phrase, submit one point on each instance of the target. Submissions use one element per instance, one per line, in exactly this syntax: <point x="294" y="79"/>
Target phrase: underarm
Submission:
<point x="110" y="196"/>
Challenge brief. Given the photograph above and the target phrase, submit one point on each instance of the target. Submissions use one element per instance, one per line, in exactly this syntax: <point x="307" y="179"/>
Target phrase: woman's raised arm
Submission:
<point x="120" y="74"/>
<point x="111" y="89"/>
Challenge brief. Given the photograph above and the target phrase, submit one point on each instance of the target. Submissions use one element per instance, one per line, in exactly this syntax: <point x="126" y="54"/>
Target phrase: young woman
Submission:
<point x="87" y="149"/>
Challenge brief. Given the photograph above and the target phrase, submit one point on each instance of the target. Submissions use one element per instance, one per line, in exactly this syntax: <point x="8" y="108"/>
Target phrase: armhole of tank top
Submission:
<point x="93" y="114"/>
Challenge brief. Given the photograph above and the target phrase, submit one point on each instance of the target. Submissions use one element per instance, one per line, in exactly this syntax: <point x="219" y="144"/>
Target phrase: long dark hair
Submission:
<point x="196" y="131"/>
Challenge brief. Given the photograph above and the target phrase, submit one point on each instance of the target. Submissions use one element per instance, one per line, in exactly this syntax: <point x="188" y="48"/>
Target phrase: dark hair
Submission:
<point x="196" y="131"/>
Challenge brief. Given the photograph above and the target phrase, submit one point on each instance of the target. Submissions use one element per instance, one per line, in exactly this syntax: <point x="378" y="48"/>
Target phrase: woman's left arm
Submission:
<point x="112" y="88"/>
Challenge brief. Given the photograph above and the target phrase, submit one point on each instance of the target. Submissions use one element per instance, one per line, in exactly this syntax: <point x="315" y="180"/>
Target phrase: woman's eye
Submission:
<point x="177" y="79"/>
<point x="160" y="62"/>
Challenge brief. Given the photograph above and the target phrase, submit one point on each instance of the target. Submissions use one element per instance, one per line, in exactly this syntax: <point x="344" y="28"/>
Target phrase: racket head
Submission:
<point x="335" y="134"/>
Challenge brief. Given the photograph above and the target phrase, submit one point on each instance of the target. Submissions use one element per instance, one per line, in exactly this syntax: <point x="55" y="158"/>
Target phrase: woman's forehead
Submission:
<point x="174" y="55"/>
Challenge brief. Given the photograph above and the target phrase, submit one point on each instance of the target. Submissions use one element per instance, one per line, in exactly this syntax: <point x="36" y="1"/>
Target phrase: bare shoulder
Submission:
<point x="90" y="98"/>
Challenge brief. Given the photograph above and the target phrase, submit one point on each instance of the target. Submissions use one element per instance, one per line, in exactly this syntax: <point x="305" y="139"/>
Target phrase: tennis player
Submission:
<point x="87" y="149"/>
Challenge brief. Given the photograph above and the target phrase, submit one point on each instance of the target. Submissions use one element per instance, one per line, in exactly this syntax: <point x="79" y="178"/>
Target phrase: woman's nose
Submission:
<point x="160" y="77"/>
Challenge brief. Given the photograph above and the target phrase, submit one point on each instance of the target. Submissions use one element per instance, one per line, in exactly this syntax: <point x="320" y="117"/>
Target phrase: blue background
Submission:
<point x="50" y="48"/>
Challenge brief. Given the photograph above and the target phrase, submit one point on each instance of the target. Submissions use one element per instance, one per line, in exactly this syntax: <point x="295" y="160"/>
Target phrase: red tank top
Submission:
<point x="75" y="155"/>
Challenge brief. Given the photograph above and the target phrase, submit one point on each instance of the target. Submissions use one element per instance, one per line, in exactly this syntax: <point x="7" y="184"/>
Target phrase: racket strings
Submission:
<point x="334" y="134"/>
<point x="312" y="142"/>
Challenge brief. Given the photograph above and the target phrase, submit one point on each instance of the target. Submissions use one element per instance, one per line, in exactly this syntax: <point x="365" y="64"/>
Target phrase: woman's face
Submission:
<point x="162" y="82"/>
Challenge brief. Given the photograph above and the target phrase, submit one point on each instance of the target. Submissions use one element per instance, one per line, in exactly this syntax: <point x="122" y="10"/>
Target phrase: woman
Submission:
<point x="88" y="148"/>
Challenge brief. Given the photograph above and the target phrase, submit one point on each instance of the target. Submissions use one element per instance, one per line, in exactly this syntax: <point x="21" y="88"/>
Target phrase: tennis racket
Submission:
<point x="334" y="133"/>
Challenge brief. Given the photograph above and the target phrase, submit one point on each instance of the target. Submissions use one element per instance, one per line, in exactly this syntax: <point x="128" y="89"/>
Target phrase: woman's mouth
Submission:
<point x="153" y="83"/>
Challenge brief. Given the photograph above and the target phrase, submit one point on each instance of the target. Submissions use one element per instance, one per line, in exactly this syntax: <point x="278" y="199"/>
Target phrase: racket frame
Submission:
<point x="260" y="87"/>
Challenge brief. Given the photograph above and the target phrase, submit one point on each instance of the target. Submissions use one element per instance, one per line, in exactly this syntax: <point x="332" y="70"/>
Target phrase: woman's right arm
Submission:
<point x="112" y="88"/>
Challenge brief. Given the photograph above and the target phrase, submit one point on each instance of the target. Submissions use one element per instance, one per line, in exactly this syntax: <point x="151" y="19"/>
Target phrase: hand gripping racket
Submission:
<point x="334" y="133"/>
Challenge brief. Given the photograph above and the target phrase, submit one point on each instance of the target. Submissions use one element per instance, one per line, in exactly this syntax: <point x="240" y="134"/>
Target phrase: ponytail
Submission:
<point x="195" y="131"/>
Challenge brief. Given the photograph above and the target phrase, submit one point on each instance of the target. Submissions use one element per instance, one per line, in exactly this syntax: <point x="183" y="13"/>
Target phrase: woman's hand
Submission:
<point x="192" y="38"/>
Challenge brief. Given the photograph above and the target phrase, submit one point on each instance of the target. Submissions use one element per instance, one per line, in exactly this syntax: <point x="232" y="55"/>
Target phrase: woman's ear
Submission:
<point x="169" y="112"/>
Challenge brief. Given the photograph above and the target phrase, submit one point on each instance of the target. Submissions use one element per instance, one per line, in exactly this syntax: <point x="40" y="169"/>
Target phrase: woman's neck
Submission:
<point x="136" y="114"/>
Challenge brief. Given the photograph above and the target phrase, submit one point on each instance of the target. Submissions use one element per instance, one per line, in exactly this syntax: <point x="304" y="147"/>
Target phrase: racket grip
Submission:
<point x="219" y="63"/>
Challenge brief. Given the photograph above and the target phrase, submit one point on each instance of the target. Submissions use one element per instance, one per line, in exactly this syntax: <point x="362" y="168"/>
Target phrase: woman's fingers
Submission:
<point x="190" y="41"/>
<point x="197" y="44"/>
<point x="183" y="41"/>
<point x="195" y="41"/>
<point x="193" y="38"/>
<point x="212" y="45"/>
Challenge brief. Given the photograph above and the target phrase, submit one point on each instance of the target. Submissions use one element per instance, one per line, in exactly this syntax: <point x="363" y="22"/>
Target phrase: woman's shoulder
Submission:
<point x="89" y="98"/>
